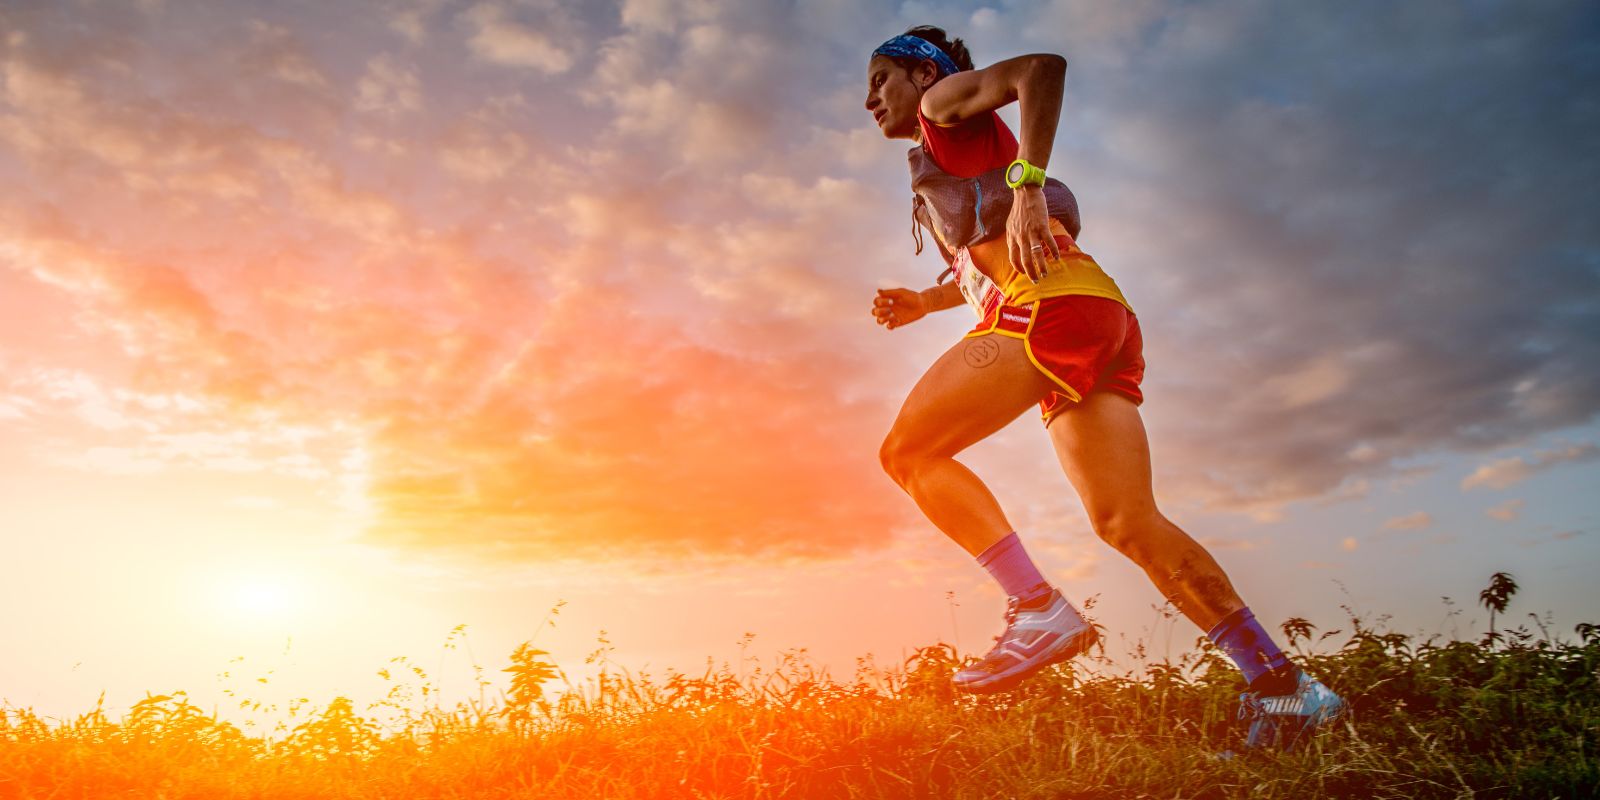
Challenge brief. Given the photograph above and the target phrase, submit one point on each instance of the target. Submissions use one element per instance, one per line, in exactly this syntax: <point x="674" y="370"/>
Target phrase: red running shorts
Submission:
<point x="1083" y="343"/>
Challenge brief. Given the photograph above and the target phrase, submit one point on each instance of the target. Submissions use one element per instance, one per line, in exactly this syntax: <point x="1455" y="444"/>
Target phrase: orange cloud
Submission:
<point x="1507" y="511"/>
<point x="1508" y="472"/>
<point x="1409" y="522"/>
<point x="656" y="267"/>
<point x="501" y="418"/>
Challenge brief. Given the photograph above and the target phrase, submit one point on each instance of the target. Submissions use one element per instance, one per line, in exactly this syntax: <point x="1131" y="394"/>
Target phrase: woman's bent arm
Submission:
<point x="1035" y="81"/>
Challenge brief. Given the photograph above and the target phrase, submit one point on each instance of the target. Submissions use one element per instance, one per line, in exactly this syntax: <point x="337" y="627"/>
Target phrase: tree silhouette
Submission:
<point x="1497" y="596"/>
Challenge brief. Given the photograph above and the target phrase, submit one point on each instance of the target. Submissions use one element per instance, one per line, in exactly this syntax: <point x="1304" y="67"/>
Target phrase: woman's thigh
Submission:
<point x="1102" y="446"/>
<point x="976" y="388"/>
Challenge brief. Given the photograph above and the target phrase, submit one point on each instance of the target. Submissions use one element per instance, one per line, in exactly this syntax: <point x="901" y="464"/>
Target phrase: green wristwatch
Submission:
<point x="1021" y="173"/>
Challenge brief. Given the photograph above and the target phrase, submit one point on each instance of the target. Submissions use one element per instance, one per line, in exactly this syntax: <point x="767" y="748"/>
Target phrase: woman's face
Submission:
<point x="893" y="95"/>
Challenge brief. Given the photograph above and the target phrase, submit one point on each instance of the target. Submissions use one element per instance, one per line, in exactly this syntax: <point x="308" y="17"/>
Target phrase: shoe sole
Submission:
<point x="1076" y="646"/>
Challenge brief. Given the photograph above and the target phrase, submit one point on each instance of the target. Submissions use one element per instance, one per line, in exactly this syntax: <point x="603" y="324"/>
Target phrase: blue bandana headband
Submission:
<point x="918" y="48"/>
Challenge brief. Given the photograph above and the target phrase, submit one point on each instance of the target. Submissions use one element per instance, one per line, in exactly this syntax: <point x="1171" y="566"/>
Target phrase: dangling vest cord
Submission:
<point x="917" y="204"/>
<point x="916" y="228"/>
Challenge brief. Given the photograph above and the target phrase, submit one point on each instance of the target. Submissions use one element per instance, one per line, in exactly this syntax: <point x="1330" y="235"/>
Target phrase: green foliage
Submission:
<point x="1514" y="714"/>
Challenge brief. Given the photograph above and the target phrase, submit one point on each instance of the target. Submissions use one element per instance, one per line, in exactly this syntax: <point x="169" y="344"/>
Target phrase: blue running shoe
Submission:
<point x="1037" y="635"/>
<point x="1283" y="721"/>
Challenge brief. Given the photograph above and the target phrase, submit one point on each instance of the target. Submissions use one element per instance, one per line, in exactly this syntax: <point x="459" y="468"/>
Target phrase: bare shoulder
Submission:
<point x="967" y="94"/>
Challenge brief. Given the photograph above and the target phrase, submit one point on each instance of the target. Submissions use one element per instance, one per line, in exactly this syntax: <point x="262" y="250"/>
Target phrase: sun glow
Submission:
<point x="263" y="596"/>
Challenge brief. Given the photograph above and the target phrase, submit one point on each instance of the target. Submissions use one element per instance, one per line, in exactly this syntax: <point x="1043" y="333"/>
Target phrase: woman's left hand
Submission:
<point x="1028" y="236"/>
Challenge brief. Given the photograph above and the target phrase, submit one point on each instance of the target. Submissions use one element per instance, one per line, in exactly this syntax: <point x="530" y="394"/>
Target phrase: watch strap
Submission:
<point x="1031" y="175"/>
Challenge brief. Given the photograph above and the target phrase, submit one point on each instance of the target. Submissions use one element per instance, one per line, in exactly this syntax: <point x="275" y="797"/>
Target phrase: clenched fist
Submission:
<point x="896" y="307"/>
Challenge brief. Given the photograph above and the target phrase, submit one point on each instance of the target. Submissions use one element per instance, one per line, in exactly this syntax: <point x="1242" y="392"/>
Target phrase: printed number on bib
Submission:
<point x="980" y="292"/>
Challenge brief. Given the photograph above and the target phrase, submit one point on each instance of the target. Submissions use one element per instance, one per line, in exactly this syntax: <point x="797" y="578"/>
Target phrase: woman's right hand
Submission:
<point x="896" y="307"/>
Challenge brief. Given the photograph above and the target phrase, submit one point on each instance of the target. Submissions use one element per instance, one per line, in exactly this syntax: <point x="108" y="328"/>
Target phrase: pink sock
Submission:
<point x="1009" y="563"/>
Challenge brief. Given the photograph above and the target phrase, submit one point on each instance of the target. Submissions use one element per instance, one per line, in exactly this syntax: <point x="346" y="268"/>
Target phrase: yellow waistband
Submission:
<point x="1076" y="272"/>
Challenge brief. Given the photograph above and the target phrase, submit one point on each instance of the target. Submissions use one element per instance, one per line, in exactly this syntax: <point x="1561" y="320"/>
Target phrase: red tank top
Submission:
<point x="969" y="148"/>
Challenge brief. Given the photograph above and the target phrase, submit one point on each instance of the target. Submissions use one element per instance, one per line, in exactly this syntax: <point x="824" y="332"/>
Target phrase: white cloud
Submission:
<point x="79" y="394"/>
<point x="499" y="39"/>
<point x="1363" y="453"/>
<point x="276" y="51"/>
<point x="665" y="15"/>
<point x="410" y="20"/>
<point x="484" y="156"/>
<point x="388" y="87"/>
<point x="481" y="147"/>
<point x="1321" y="379"/>
<point x="15" y="407"/>
<point x="1350" y="489"/>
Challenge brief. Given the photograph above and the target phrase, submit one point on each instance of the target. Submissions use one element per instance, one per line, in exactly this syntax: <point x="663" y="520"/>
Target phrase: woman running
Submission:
<point x="1055" y="330"/>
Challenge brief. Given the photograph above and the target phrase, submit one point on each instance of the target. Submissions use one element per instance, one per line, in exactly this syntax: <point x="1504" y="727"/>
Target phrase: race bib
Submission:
<point x="980" y="292"/>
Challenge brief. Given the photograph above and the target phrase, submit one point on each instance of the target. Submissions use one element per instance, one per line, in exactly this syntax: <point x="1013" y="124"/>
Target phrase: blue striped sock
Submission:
<point x="1247" y="643"/>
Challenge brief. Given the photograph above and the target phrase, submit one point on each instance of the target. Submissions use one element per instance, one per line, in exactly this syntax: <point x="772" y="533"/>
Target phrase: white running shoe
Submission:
<point x="1284" y="720"/>
<point x="1034" y="638"/>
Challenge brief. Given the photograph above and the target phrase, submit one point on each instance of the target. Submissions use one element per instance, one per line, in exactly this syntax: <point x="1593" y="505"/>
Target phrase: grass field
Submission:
<point x="1515" y="713"/>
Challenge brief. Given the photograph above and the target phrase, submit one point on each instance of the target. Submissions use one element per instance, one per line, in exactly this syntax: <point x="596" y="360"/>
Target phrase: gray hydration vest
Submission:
<point x="965" y="211"/>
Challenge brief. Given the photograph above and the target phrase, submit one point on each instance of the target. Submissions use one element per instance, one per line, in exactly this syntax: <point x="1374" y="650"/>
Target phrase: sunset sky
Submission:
<point x="328" y="327"/>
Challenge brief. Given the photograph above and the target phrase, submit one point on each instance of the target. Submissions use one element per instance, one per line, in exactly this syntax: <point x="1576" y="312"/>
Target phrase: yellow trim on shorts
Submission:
<point x="1027" y="346"/>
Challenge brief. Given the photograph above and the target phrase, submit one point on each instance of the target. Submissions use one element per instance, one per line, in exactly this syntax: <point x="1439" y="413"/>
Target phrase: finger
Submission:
<point x="1051" y="246"/>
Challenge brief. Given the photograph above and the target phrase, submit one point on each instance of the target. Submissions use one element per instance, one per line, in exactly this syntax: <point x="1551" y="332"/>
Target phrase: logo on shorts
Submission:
<point x="1010" y="317"/>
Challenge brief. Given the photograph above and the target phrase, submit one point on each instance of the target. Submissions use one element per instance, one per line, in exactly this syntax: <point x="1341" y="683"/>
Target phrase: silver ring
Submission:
<point x="1038" y="247"/>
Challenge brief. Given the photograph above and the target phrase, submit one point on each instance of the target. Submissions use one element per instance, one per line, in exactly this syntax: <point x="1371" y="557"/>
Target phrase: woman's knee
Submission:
<point x="894" y="457"/>
<point x="1135" y="534"/>
<point x="900" y="455"/>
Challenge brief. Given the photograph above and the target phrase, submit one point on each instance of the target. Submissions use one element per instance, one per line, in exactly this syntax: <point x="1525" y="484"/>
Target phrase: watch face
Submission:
<point x="1014" y="174"/>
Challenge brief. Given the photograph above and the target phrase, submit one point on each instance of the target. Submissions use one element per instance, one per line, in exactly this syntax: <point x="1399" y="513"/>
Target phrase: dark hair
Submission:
<point x="955" y="49"/>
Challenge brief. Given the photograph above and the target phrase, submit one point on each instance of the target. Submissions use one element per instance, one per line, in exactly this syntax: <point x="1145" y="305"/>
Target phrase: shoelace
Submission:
<point x="1013" y="606"/>
<point x="1250" y="706"/>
